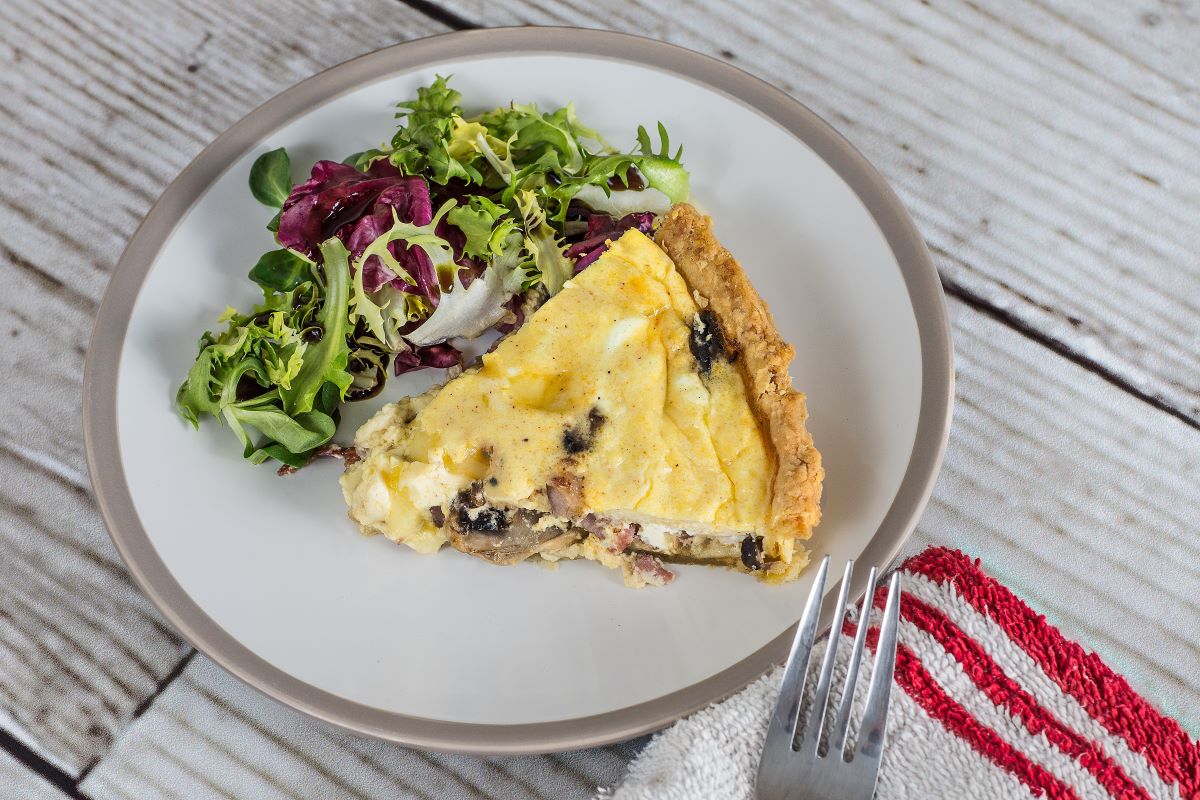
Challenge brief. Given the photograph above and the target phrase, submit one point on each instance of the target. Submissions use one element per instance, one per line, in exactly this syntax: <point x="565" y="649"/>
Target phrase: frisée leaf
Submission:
<point x="541" y="241"/>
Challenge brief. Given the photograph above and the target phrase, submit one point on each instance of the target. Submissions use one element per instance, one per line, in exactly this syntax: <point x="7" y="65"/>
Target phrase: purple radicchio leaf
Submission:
<point x="443" y="355"/>
<point x="357" y="207"/>
<point x="601" y="229"/>
<point x="515" y="305"/>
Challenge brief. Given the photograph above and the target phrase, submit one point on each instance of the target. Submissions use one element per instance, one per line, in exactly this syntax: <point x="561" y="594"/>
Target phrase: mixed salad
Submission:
<point x="459" y="225"/>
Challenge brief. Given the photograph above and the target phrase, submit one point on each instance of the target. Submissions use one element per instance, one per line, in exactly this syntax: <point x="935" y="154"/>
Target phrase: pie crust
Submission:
<point x="763" y="357"/>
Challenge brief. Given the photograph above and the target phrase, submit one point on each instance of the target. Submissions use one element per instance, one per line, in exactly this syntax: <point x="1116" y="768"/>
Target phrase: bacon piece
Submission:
<point x="652" y="571"/>
<point x="616" y="537"/>
<point x="621" y="538"/>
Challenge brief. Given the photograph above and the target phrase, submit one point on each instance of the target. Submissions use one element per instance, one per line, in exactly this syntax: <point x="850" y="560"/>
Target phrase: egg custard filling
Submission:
<point x="642" y="415"/>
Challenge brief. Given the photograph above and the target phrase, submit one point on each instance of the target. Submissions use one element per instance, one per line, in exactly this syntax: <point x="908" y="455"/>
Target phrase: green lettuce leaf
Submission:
<point x="478" y="221"/>
<point x="422" y="145"/>
<point x="298" y="434"/>
<point x="543" y="244"/>
<point x="271" y="178"/>
<point x="325" y="360"/>
<point x="663" y="171"/>
<point x="531" y="133"/>
<point x="281" y="270"/>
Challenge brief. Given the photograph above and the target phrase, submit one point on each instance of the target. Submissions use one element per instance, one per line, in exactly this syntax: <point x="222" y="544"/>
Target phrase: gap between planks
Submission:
<point x="1062" y="348"/>
<point x="57" y="777"/>
<point x="33" y="762"/>
<point x="443" y="15"/>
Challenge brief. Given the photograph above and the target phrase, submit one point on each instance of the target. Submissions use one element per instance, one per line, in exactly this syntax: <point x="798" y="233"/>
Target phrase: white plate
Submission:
<point x="270" y="578"/>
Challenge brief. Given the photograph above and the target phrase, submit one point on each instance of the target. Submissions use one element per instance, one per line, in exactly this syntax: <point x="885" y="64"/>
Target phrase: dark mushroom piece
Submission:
<point x="752" y="552"/>
<point x="497" y="535"/>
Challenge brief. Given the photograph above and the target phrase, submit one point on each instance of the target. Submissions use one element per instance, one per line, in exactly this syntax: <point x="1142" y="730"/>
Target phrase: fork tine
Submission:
<point x="787" y="707"/>
<point x="874" y="724"/>
<point x="816" y="716"/>
<point x="841" y="723"/>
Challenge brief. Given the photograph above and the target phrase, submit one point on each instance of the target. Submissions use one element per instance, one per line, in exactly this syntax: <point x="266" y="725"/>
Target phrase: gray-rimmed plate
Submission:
<point x="267" y="576"/>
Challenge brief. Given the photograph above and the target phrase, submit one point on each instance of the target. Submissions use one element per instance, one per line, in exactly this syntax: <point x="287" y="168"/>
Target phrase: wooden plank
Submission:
<point x="1045" y="150"/>
<point x="1058" y="480"/>
<point x="80" y="647"/>
<point x="209" y="735"/>
<point x="19" y="782"/>
<point x="102" y="106"/>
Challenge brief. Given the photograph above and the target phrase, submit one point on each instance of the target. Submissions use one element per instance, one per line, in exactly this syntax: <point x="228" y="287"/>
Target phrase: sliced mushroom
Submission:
<point x="501" y="537"/>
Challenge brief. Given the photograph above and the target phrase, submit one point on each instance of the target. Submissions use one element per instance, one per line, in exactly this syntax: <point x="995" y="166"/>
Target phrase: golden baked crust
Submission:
<point x="763" y="357"/>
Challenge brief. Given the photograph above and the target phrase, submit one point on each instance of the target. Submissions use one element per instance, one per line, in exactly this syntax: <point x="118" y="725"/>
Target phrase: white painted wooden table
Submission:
<point x="1049" y="151"/>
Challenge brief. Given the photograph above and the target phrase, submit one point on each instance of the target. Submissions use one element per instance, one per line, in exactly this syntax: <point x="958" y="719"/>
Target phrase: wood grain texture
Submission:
<point x="80" y="647"/>
<point x="17" y="782"/>
<point x="1048" y="150"/>
<point x="101" y="106"/>
<point x="210" y="736"/>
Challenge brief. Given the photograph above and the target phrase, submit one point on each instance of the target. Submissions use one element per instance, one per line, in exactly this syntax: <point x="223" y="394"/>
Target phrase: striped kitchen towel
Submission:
<point x="991" y="701"/>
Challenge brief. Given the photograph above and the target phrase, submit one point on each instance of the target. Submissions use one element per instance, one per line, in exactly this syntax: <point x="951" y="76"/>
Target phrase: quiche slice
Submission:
<point x="642" y="415"/>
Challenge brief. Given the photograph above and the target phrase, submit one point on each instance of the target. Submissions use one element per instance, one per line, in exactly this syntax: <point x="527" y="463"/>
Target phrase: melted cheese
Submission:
<point x="674" y="447"/>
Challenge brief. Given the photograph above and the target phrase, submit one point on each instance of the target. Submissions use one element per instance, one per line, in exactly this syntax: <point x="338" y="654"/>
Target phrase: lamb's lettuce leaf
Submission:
<point x="271" y="177"/>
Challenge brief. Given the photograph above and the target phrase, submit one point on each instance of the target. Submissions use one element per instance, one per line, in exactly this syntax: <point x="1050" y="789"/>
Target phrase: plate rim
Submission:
<point x="100" y="380"/>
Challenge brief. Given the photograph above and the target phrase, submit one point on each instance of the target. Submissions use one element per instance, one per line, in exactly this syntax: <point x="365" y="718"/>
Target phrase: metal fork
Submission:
<point x="792" y="766"/>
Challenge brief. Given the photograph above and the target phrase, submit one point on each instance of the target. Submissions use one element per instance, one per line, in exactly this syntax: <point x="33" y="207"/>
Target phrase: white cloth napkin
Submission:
<point x="990" y="701"/>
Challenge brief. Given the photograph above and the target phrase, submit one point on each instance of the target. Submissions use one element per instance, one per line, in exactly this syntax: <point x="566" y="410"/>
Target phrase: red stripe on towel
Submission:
<point x="1005" y="693"/>
<point x="916" y="681"/>
<point x="1106" y="696"/>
